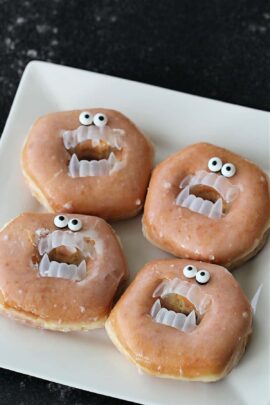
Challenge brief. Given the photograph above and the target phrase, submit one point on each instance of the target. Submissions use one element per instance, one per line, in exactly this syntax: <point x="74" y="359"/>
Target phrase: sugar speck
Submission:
<point x="138" y="201"/>
<point x="67" y="205"/>
<point x="166" y="184"/>
<point x="245" y="315"/>
<point x="82" y="309"/>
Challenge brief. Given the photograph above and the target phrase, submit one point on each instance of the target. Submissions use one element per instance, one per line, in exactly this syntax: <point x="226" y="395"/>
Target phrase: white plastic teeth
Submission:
<point x="85" y="168"/>
<point x="49" y="268"/>
<point x="190" y="291"/>
<point x="185" y="323"/>
<point x="198" y="204"/>
<point x="112" y="137"/>
<point x="70" y="240"/>
<point x="218" y="182"/>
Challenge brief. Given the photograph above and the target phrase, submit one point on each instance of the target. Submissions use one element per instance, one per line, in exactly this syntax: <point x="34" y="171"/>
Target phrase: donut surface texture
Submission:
<point x="73" y="162"/>
<point x="182" y="319"/>
<point x="59" y="272"/>
<point x="207" y="203"/>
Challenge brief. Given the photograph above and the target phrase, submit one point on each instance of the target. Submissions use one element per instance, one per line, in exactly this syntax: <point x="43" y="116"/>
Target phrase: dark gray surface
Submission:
<point x="218" y="49"/>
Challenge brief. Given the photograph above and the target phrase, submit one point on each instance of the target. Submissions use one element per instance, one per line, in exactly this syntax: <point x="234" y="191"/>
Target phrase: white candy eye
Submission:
<point x="215" y="164"/>
<point x="100" y="120"/>
<point x="189" y="271"/>
<point x="228" y="170"/>
<point x="203" y="276"/>
<point x="86" y="118"/>
<point x="75" y="224"/>
<point x="60" y="221"/>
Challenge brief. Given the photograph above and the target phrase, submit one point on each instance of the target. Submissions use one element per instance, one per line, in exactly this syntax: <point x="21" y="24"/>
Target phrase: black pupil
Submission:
<point x="202" y="273"/>
<point x="214" y="162"/>
<point x="228" y="168"/>
<point x="189" y="268"/>
<point x="74" y="221"/>
<point x="86" y="116"/>
<point x="61" y="218"/>
<point x="101" y="118"/>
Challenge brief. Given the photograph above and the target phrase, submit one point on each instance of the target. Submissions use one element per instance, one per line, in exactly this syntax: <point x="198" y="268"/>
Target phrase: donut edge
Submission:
<point x="237" y="262"/>
<point x="39" y="323"/>
<point x="233" y="362"/>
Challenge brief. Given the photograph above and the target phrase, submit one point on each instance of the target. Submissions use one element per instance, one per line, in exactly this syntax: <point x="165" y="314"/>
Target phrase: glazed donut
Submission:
<point x="182" y="319"/>
<point x="207" y="203"/>
<point x="92" y="161"/>
<point x="59" y="272"/>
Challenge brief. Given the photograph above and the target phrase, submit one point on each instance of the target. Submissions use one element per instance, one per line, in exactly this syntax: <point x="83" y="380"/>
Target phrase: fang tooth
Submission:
<point x="68" y="139"/>
<point x="112" y="159"/>
<point x="94" y="168"/>
<point x="43" y="246"/>
<point x="159" y="290"/>
<point x="194" y="295"/>
<point x="186" y="181"/>
<point x="68" y="240"/>
<point x="74" y="166"/>
<point x="168" y="318"/>
<point x="160" y="315"/>
<point x="206" y="207"/>
<point x="84" y="168"/>
<point x="181" y="289"/>
<point x="72" y="271"/>
<point x="82" y="134"/>
<point x="231" y="193"/>
<point x="179" y="321"/>
<point x="216" y="211"/>
<point x="61" y="270"/>
<point x="56" y="239"/>
<point x="173" y="284"/>
<point x="188" y="201"/>
<point x="44" y="265"/>
<point x="197" y="178"/>
<point x="155" y="308"/>
<point x="204" y="304"/>
<point x="53" y="269"/>
<point x="196" y="204"/>
<point x="190" y="322"/>
<point x="209" y="179"/>
<point x="182" y="196"/>
<point x="81" y="270"/>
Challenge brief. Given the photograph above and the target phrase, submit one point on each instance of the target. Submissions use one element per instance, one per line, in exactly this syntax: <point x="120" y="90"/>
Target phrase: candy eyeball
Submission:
<point x="189" y="271"/>
<point x="86" y="118"/>
<point x="228" y="170"/>
<point x="202" y="276"/>
<point x="60" y="221"/>
<point x="215" y="164"/>
<point x="100" y="120"/>
<point x="75" y="224"/>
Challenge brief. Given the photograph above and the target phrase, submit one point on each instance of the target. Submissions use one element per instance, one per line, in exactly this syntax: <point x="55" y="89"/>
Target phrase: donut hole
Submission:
<point x="64" y="254"/>
<point x="208" y="193"/>
<point x="179" y="304"/>
<point x="87" y="151"/>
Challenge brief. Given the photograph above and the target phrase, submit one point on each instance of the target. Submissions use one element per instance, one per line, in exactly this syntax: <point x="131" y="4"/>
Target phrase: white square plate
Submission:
<point x="173" y="120"/>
